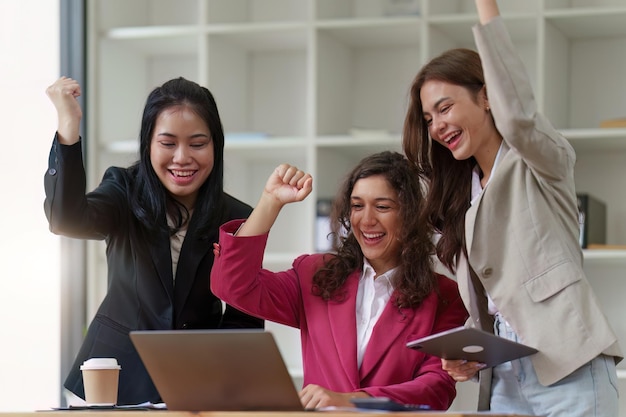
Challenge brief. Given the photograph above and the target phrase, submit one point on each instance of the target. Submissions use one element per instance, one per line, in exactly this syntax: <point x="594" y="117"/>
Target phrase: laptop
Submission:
<point x="217" y="370"/>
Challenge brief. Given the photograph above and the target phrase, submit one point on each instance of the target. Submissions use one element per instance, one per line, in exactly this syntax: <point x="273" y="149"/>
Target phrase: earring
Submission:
<point x="487" y="108"/>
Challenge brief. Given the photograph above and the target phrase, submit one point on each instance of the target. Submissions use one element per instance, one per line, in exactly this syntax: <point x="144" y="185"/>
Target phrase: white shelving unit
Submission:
<point x="322" y="83"/>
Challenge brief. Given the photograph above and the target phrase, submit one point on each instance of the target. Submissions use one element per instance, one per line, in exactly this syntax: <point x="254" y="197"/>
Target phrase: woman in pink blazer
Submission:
<point x="357" y="307"/>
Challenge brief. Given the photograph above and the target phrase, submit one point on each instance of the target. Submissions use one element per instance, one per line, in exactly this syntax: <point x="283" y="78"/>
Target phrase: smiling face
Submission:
<point x="181" y="153"/>
<point x="376" y="222"/>
<point x="455" y="119"/>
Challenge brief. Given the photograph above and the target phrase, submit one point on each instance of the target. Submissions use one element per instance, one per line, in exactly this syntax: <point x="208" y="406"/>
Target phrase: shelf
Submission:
<point x="267" y="142"/>
<point x="298" y="372"/>
<point x="365" y="139"/>
<point x="122" y="147"/>
<point x="143" y="13"/>
<point x="254" y="11"/>
<point x="149" y="47"/>
<point x="279" y="261"/>
<point x="280" y="257"/>
<point x="521" y="26"/>
<point x="604" y="256"/>
<point x="598" y="140"/>
<point x="596" y="22"/>
<point x="376" y="32"/>
<point x="365" y="9"/>
<point x="161" y="40"/>
<point x="285" y="149"/>
<point x="608" y="139"/>
<point x="262" y="36"/>
<point x="149" y="32"/>
<point x="346" y="151"/>
<point x="253" y="148"/>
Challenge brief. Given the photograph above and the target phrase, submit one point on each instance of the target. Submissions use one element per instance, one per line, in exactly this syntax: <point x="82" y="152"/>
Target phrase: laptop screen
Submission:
<point x="210" y="370"/>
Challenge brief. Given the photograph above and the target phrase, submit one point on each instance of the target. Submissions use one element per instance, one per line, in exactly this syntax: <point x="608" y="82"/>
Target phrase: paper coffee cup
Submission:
<point x="100" y="379"/>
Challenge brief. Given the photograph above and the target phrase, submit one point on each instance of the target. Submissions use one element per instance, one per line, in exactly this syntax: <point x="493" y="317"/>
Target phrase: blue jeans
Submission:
<point x="590" y="391"/>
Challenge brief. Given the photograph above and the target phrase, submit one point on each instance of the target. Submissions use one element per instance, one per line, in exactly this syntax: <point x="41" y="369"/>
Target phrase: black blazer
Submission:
<point x="141" y="292"/>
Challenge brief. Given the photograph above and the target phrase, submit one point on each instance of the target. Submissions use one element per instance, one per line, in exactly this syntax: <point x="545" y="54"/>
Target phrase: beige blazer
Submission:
<point x="522" y="234"/>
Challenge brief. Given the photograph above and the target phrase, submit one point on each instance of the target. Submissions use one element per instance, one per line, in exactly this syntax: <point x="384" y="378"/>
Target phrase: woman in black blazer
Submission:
<point x="158" y="218"/>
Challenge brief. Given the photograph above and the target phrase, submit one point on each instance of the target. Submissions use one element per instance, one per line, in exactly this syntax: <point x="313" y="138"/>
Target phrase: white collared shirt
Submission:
<point x="477" y="190"/>
<point x="371" y="298"/>
<point x="176" y="243"/>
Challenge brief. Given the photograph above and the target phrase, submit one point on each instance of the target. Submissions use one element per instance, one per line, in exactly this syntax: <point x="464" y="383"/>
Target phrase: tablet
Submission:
<point x="471" y="344"/>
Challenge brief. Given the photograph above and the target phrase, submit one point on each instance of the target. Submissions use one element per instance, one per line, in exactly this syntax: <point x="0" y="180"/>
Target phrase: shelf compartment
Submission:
<point x="363" y="84"/>
<point x="127" y="75"/>
<point x="596" y="22"/>
<point x="334" y="162"/>
<point x="260" y="90"/>
<point x="245" y="175"/>
<point x="600" y="173"/>
<point x="458" y="28"/>
<point x="464" y="7"/>
<point x="598" y="68"/>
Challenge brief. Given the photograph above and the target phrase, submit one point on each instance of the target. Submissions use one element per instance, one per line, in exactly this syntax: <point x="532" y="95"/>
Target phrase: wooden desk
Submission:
<point x="163" y="413"/>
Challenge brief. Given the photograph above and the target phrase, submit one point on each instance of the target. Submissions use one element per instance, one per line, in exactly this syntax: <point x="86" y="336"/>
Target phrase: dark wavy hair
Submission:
<point x="448" y="180"/>
<point x="414" y="278"/>
<point x="150" y="201"/>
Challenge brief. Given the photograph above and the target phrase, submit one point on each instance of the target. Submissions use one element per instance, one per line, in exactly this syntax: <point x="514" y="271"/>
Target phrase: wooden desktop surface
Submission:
<point x="163" y="413"/>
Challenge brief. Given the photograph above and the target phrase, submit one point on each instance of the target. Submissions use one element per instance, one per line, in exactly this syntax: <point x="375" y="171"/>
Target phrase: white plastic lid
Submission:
<point x="100" y="363"/>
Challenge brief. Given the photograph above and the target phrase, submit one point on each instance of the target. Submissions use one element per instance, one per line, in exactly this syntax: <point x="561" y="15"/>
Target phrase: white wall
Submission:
<point x="29" y="253"/>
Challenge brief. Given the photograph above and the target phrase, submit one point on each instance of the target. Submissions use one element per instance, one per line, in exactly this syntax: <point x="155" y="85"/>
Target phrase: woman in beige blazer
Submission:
<point x="501" y="192"/>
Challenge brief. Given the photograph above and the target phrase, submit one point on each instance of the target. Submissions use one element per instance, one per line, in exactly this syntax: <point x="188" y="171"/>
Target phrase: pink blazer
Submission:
<point x="328" y="329"/>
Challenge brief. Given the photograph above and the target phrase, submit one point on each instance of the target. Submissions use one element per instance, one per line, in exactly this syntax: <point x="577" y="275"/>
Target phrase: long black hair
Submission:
<point x="150" y="201"/>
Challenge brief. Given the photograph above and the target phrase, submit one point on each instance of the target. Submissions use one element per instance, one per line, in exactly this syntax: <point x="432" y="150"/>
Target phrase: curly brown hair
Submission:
<point x="414" y="278"/>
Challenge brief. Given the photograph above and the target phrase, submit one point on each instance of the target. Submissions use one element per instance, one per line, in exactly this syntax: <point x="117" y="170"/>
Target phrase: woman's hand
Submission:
<point x="286" y="184"/>
<point x="487" y="10"/>
<point x="63" y="94"/>
<point x="313" y="396"/>
<point x="461" y="370"/>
